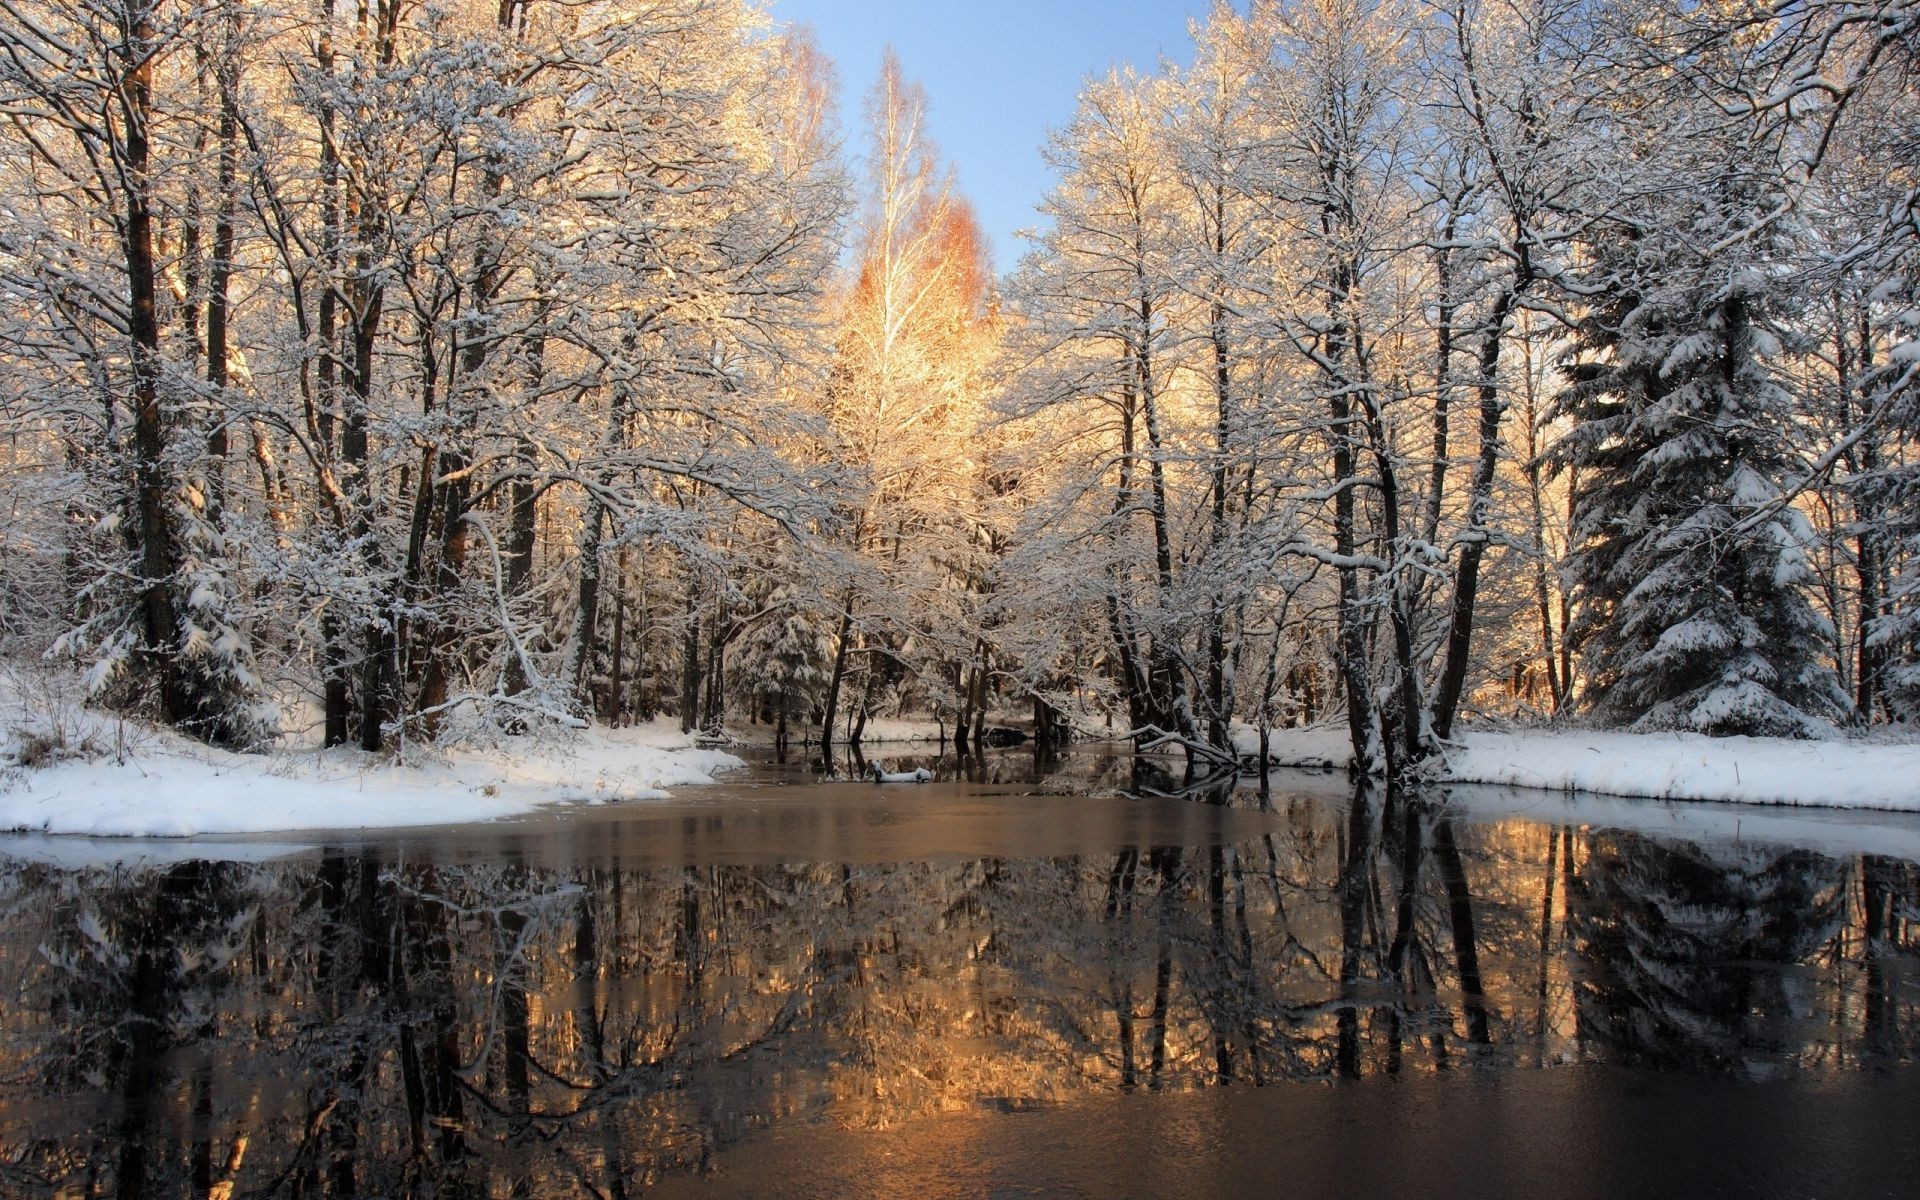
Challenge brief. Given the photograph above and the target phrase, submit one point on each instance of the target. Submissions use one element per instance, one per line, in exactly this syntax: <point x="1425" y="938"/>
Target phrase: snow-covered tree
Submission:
<point x="787" y="660"/>
<point x="356" y="340"/>
<point x="1689" y="568"/>
<point x="100" y="257"/>
<point x="905" y="403"/>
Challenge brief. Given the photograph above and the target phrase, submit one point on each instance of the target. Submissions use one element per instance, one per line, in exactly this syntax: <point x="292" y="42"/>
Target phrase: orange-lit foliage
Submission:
<point x="907" y="402"/>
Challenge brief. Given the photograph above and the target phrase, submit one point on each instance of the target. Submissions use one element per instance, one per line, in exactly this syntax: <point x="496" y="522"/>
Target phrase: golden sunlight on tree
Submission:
<point x="915" y="334"/>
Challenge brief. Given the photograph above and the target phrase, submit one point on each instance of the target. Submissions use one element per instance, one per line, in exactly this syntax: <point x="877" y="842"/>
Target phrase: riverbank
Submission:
<point x="879" y="731"/>
<point x="1837" y="773"/>
<point x="68" y="769"/>
<point x="94" y="775"/>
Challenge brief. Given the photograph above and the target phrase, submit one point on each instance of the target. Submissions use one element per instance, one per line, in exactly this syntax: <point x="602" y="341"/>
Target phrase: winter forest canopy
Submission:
<point x="379" y="372"/>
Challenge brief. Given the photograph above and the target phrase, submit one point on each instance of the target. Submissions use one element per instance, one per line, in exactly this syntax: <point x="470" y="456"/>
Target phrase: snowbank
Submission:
<point x="169" y="787"/>
<point x="1839" y="773"/>
<point x="1692" y="766"/>
<point x="879" y="731"/>
<point x="1318" y="746"/>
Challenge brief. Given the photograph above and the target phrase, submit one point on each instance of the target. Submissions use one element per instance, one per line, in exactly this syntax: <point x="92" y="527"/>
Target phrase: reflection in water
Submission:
<point x="388" y="1021"/>
<point x="1657" y="925"/>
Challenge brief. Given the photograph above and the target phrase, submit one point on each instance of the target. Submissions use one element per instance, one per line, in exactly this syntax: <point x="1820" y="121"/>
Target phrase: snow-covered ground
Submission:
<point x="1317" y="746"/>
<point x="166" y="786"/>
<point x="1840" y="773"/>
<point x="1691" y="766"/>
<point x="880" y="731"/>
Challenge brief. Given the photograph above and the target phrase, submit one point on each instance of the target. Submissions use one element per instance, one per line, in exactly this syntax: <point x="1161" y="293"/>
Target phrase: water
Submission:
<point x="985" y="987"/>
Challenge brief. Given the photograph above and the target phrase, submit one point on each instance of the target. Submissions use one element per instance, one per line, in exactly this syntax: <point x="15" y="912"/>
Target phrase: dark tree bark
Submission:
<point x="616" y="670"/>
<point x="366" y="299"/>
<point x="836" y="680"/>
<point x="154" y="525"/>
<point x="586" y="613"/>
<point x="1466" y="586"/>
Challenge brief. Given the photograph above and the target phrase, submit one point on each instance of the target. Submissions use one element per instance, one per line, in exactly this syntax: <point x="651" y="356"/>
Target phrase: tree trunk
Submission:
<point x="963" y="719"/>
<point x="616" y="679"/>
<point x="158" y="548"/>
<point x="690" y="674"/>
<point x="336" y="694"/>
<point x="378" y="670"/>
<point x="1407" y="717"/>
<point x="834" y="682"/>
<point x="220" y="279"/>
<point x="335" y="668"/>
<point x="978" y="701"/>
<point x="1867" y="656"/>
<point x="865" y="708"/>
<point x="586" y="615"/>
<point x="1466" y="587"/>
<point x="713" y="711"/>
<point x="1442" y="378"/>
<point x="1869" y="659"/>
<point x="1166" y="679"/>
<point x="1351" y="650"/>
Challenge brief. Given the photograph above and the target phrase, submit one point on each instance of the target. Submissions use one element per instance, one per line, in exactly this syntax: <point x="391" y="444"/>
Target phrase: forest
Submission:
<point x="385" y="373"/>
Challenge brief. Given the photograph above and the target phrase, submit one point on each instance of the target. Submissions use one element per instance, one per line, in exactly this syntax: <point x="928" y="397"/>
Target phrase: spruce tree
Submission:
<point x="1688" y="573"/>
<point x="785" y="661"/>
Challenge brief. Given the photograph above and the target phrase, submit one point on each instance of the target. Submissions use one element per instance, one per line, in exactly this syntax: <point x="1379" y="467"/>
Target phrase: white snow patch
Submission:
<point x="1314" y="746"/>
<point x="170" y="787"/>
<point x="1834" y="773"/>
<point x="879" y="731"/>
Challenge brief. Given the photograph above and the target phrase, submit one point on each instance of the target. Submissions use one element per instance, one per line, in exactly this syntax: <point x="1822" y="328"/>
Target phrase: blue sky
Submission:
<point x="998" y="75"/>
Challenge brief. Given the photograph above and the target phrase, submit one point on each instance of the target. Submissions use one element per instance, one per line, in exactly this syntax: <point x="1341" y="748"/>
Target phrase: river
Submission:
<point x="1034" y="976"/>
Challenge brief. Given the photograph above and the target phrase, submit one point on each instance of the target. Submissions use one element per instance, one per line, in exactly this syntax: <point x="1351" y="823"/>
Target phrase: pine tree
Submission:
<point x="1688" y="572"/>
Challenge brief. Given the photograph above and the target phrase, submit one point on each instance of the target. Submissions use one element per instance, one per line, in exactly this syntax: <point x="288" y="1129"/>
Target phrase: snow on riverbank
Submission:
<point x="879" y="731"/>
<point x="1322" y="746"/>
<point x="1691" y="766"/>
<point x="1840" y="773"/>
<point x="166" y="786"/>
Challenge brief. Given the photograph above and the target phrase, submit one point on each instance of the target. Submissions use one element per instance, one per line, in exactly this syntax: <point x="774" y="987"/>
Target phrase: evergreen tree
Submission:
<point x="1687" y="570"/>
<point x="785" y="661"/>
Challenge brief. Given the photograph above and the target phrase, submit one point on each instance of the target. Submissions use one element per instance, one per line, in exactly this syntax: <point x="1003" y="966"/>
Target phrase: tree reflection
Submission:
<point x="367" y="1022"/>
<point x="1685" y="951"/>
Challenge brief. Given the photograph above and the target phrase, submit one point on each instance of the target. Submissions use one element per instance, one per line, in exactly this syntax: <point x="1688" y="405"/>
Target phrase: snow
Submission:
<point x="880" y="731"/>
<point x="1688" y="766"/>
<point x="1834" y="773"/>
<point x="1314" y="746"/>
<point x="884" y="730"/>
<point x="168" y="787"/>
<point x="152" y="784"/>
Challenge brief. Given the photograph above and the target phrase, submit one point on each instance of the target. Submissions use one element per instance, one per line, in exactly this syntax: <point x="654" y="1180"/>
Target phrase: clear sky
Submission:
<point x="998" y="75"/>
